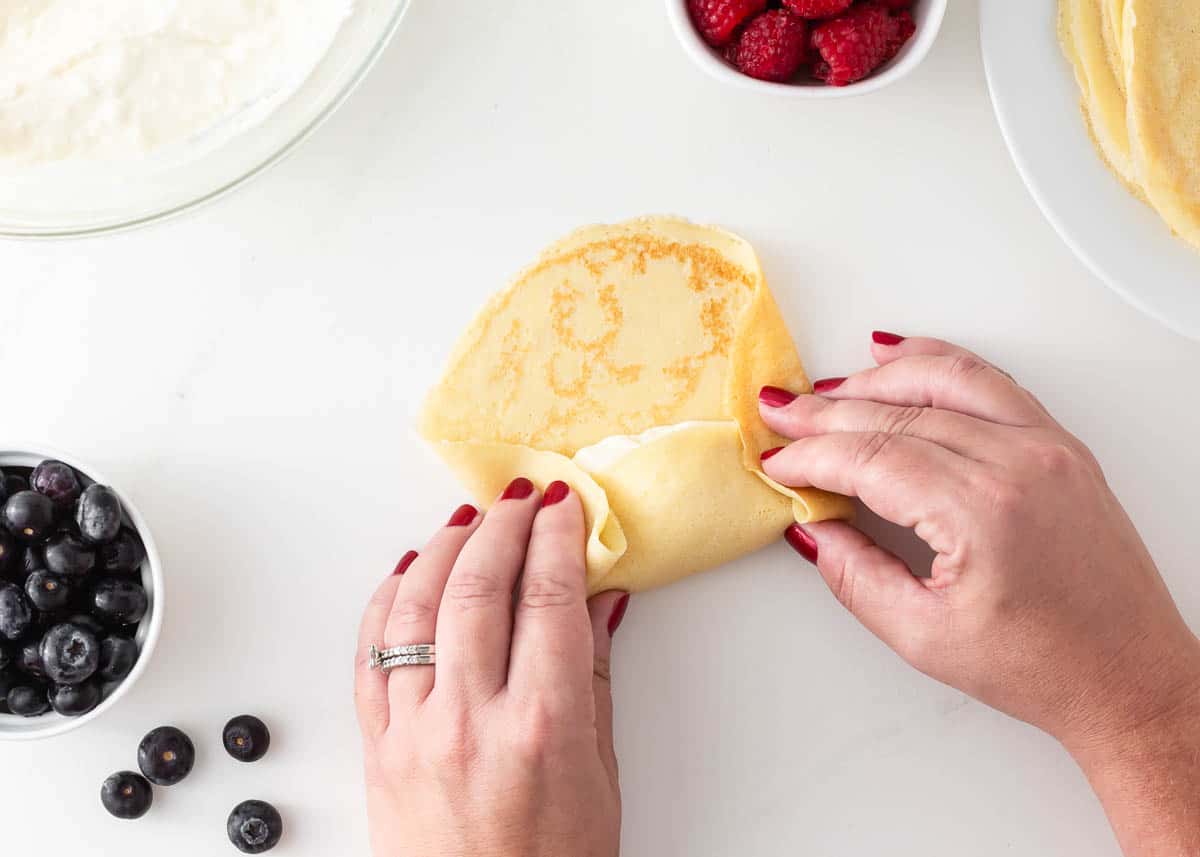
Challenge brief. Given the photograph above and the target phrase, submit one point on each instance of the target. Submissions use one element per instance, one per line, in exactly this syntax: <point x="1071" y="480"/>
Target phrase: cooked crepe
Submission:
<point x="1161" y="51"/>
<point x="626" y="361"/>
<point x="1137" y="63"/>
<point x="1082" y="28"/>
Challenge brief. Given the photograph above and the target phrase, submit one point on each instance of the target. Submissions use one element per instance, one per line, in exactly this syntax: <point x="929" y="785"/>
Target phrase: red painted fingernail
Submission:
<point x="774" y="397"/>
<point x="462" y="516"/>
<point x="827" y="384"/>
<point x="404" y="563"/>
<point x="614" y="621"/>
<point x="556" y="492"/>
<point x="882" y="337"/>
<point x="518" y="489"/>
<point x="802" y="542"/>
<point x="770" y="452"/>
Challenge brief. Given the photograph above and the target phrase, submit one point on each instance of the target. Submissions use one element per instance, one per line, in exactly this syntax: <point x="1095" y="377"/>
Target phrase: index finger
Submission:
<point x="927" y="372"/>
<point x="552" y="632"/>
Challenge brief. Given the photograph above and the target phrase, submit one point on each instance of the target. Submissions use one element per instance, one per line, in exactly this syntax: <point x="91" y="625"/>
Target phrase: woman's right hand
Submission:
<point x="1043" y="600"/>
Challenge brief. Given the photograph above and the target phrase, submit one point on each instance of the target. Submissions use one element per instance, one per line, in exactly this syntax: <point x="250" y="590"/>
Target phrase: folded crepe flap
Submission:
<point x="613" y="330"/>
<point x="486" y="468"/>
<point x="687" y="504"/>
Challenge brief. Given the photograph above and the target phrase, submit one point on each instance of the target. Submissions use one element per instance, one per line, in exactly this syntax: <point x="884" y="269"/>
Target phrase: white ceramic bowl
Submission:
<point x="14" y="728"/>
<point x="88" y="199"/>
<point x="927" y="14"/>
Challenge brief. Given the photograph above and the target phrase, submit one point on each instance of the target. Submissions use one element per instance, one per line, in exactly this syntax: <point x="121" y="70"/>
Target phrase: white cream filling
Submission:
<point x="605" y="453"/>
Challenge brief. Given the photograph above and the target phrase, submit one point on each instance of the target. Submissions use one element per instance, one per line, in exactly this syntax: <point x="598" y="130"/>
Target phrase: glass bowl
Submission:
<point x="65" y="201"/>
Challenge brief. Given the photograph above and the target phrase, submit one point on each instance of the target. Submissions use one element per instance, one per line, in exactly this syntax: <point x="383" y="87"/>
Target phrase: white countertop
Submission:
<point x="250" y="373"/>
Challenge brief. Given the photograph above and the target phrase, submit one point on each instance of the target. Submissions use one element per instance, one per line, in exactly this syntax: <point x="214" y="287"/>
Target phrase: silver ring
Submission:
<point x="418" y="654"/>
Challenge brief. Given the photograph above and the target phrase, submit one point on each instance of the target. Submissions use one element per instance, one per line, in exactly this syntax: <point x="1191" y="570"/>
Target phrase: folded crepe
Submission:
<point x="626" y="362"/>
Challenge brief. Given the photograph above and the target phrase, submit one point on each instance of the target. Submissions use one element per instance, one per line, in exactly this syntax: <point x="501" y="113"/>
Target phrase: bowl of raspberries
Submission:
<point x="80" y="594"/>
<point x="807" y="48"/>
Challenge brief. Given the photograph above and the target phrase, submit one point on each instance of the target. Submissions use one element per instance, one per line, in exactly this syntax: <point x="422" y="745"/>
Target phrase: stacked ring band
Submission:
<point x="418" y="654"/>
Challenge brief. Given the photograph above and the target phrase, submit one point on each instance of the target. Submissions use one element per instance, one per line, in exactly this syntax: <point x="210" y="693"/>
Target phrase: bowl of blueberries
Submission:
<point x="80" y="594"/>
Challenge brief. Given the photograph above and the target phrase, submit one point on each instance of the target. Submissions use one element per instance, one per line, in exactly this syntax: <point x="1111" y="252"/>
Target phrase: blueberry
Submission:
<point x="70" y="654"/>
<point x="29" y="660"/>
<point x="9" y="678"/>
<point x="166" y="755"/>
<point x="246" y="738"/>
<point x="88" y="623"/>
<point x="5" y="660"/>
<point x="16" y="615"/>
<point x="27" y="700"/>
<point x="98" y="514"/>
<point x="124" y="555"/>
<point x="117" y="601"/>
<point x="47" y="591"/>
<point x="254" y="826"/>
<point x="127" y="795"/>
<point x="29" y="516"/>
<point x="117" y="657"/>
<point x="67" y="554"/>
<point x="57" y="481"/>
<point x="72" y="700"/>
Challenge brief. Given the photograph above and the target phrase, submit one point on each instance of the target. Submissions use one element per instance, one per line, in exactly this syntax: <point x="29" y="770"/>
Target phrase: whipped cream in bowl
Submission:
<point x="120" y="112"/>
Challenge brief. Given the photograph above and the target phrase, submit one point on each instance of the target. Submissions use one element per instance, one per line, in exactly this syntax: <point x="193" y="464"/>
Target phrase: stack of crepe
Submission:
<point x="626" y="361"/>
<point x="1137" y="63"/>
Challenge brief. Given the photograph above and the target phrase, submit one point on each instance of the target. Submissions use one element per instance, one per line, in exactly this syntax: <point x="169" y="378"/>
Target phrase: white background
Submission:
<point x="250" y="374"/>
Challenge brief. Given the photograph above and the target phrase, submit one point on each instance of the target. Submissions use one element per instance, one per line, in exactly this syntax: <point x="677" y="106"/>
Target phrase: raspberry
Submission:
<point x="718" y="19"/>
<point x="818" y="8"/>
<point x="854" y="45"/>
<point x="905" y="27"/>
<point x="771" y="47"/>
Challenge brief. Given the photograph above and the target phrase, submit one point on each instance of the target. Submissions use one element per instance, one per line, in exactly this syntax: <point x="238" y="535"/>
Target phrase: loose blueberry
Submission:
<point x="29" y="660"/>
<point x="47" y="591"/>
<point x="68" y="555"/>
<point x="72" y="700"/>
<point x="117" y="601"/>
<point x="98" y="514"/>
<point x="29" y="516"/>
<point x="166" y="755"/>
<point x="70" y="654"/>
<point x="16" y="615"/>
<point x="117" y="657"/>
<point x="126" y="795"/>
<point x="27" y="700"/>
<point x="254" y="826"/>
<point x="124" y="555"/>
<point x="246" y="738"/>
<point x="57" y="481"/>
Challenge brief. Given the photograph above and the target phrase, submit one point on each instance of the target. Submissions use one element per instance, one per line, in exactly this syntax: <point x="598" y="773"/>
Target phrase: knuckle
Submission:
<point x="841" y="584"/>
<point x="456" y="745"/>
<point x="872" y="449"/>
<point x="902" y="420"/>
<point x="965" y="368"/>
<point x="412" y="612"/>
<point x="469" y="589"/>
<point x="537" y="731"/>
<point x="548" y="591"/>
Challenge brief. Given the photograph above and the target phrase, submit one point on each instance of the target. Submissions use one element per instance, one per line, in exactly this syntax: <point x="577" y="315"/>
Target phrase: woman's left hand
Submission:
<point x="505" y="747"/>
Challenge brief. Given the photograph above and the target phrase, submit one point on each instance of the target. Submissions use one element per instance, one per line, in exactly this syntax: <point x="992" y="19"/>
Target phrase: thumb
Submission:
<point x="873" y="584"/>
<point x="606" y="611"/>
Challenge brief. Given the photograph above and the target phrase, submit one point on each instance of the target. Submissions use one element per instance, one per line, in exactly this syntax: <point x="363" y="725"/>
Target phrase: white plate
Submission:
<point x="1123" y="241"/>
